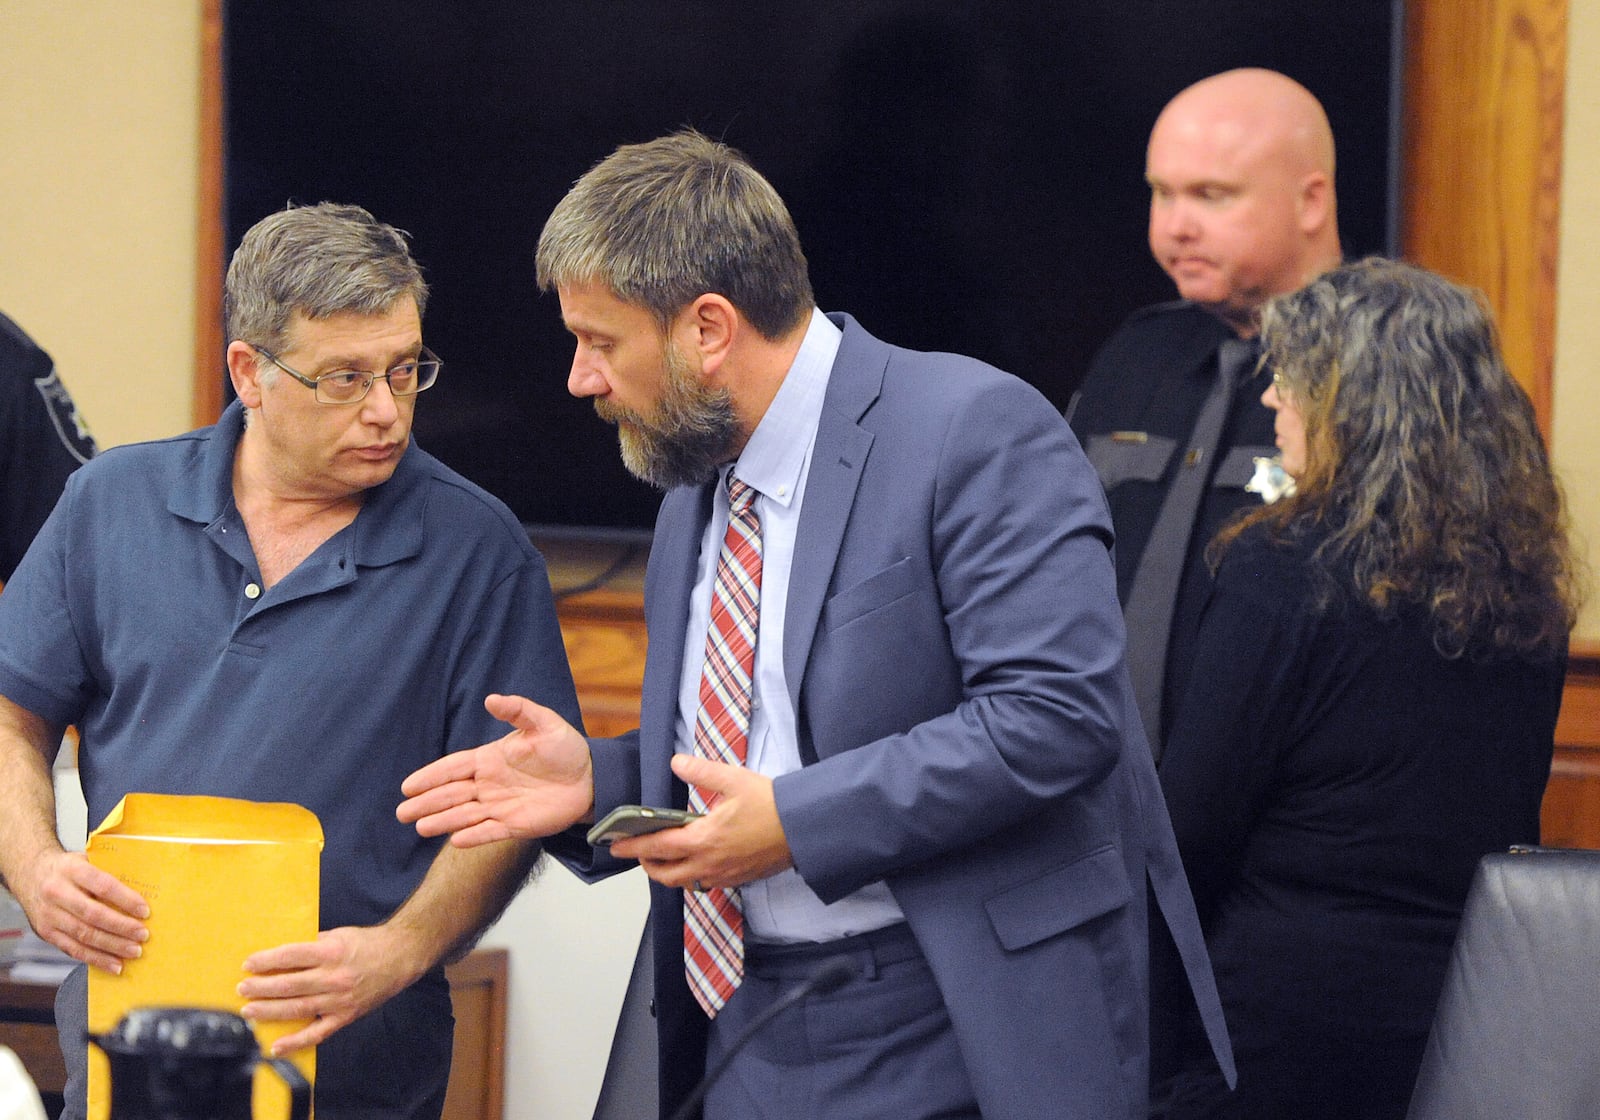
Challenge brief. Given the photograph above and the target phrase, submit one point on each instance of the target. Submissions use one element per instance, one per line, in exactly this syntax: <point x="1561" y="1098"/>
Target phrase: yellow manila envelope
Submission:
<point x="224" y="878"/>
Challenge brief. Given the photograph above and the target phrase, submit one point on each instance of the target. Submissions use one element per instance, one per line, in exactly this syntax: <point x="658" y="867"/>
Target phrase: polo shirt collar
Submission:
<point x="388" y="528"/>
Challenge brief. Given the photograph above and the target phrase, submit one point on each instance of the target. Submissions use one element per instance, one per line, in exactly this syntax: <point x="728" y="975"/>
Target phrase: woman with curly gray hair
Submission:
<point x="1375" y="690"/>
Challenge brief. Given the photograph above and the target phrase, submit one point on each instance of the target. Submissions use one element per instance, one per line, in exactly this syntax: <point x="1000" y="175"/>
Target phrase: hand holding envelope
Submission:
<point x="332" y="981"/>
<point x="87" y="913"/>
<point x="224" y="879"/>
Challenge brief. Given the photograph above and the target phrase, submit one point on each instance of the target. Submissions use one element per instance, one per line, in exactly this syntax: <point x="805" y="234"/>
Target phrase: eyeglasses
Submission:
<point x="347" y="386"/>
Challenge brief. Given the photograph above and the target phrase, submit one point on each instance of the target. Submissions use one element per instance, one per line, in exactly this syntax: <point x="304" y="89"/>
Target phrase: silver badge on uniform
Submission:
<point x="1271" y="481"/>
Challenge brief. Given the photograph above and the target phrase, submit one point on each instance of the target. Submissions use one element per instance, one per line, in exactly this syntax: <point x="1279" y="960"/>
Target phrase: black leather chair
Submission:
<point x="629" y="1090"/>
<point x="1517" y="1032"/>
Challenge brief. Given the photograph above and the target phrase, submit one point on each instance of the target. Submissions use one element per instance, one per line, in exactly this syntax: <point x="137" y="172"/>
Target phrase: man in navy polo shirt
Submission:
<point x="297" y="604"/>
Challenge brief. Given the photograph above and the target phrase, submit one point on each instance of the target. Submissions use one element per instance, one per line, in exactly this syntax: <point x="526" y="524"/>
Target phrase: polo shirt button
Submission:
<point x="251" y="591"/>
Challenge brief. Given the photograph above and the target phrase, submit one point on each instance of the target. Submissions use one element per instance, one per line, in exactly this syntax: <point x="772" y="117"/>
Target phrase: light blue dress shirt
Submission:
<point x="775" y="461"/>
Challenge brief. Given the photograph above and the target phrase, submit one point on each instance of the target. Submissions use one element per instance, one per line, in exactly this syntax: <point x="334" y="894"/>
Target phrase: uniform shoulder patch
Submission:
<point x="69" y="425"/>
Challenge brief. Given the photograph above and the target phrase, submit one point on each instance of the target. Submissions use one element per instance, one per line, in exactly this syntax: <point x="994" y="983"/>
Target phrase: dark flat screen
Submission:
<point x="965" y="176"/>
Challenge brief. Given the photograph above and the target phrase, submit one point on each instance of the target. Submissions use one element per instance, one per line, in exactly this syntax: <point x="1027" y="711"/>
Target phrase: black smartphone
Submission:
<point x="637" y="820"/>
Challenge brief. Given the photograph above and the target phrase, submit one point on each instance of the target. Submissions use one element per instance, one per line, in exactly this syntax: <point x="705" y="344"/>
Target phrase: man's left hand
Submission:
<point x="738" y="841"/>
<point x="332" y="981"/>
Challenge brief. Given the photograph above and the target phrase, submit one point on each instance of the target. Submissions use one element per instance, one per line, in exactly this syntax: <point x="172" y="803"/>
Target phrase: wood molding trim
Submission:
<point x="1579" y="725"/>
<point x="1571" y="816"/>
<point x="1484" y="96"/>
<point x="208" y="340"/>
<point x="480" y="994"/>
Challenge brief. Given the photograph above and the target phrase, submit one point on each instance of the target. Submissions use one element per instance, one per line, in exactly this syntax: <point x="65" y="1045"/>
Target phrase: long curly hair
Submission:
<point x="1426" y="480"/>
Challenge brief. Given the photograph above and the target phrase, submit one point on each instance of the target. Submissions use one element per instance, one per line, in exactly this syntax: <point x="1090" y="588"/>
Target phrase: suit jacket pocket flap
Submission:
<point x="1120" y="457"/>
<point x="876" y="591"/>
<point x="1064" y="898"/>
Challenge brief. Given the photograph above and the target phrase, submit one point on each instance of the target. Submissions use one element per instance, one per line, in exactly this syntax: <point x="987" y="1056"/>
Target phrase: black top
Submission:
<point x="1148" y="383"/>
<point x="42" y="441"/>
<point x="1333" y="782"/>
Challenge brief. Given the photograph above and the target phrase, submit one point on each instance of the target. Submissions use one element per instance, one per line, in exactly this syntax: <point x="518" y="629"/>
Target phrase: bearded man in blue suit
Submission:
<point x="944" y="786"/>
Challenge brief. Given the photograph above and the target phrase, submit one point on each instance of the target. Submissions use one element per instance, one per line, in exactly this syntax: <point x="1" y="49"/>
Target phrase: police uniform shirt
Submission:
<point x="1134" y="414"/>
<point x="42" y="441"/>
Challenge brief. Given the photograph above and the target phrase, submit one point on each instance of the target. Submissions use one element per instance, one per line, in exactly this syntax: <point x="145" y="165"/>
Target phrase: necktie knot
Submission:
<point x="741" y="495"/>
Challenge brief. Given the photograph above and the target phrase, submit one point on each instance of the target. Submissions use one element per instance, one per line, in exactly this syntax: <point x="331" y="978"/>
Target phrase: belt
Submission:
<point x="867" y="952"/>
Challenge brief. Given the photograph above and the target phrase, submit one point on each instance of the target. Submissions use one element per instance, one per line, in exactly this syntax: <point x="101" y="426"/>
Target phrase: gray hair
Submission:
<point x="318" y="260"/>
<point x="664" y="222"/>
<point x="1426" y="477"/>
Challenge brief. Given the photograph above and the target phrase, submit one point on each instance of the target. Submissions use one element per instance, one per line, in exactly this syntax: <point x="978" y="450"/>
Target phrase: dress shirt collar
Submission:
<point x="774" y="459"/>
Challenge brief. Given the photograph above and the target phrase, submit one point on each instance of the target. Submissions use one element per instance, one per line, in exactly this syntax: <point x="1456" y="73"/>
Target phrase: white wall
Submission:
<point x="572" y="947"/>
<point x="1577" y="375"/>
<point x="99" y="174"/>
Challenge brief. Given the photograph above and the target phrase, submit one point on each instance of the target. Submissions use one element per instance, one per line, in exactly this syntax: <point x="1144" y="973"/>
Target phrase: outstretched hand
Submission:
<point x="533" y="782"/>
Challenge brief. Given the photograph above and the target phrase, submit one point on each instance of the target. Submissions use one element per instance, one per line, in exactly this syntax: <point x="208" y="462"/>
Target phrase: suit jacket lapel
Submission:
<point x="837" y="460"/>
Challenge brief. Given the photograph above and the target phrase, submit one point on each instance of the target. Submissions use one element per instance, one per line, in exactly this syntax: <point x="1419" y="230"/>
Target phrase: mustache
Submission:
<point x="613" y="413"/>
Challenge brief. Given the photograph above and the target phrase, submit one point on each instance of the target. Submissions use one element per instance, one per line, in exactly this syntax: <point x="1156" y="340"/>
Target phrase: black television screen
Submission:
<point x="964" y="176"/>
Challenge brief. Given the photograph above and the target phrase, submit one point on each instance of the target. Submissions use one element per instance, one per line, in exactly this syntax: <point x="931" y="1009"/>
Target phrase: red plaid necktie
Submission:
<point x="713" y="920"/>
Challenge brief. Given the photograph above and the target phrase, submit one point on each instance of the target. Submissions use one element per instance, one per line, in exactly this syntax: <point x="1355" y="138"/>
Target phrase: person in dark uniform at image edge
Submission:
<point x="1242" y="208"/>
<point x="42" y="441"/>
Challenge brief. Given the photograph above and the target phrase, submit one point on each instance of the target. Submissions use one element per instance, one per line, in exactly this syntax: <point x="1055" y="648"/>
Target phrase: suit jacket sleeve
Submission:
<point x="993" y="644"/>
<point x="616" y="782"/>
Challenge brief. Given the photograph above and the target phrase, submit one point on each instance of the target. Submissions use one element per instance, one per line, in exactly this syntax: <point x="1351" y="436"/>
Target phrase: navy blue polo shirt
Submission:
<point x="139" y="615"/>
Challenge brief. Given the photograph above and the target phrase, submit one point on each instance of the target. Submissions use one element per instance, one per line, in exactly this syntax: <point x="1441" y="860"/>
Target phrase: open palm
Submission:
<point x="532" y="782"/>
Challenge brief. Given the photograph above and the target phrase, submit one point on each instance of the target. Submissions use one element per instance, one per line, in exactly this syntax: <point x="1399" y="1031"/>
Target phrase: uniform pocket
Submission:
<point x="1119" y="457"/>
<point x="1239" y="466"/>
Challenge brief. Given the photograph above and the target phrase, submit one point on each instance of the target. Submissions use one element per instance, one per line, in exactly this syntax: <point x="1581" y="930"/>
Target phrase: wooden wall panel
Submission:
<point x="605" y="637"/>
<point x="1572" y="800"/>
<point x="1484" y="90"/>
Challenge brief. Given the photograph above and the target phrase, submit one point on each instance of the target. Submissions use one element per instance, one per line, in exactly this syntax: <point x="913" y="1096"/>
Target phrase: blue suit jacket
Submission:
<point x="954" y="651"/>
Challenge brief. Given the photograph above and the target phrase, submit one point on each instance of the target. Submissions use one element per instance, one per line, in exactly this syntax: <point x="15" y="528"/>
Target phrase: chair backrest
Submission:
<point x="1517" y="1032"/>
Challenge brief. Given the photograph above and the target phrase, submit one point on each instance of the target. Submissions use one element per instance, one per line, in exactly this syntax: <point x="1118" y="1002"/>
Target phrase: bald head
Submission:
<point x="1242" y="205"/>
<point x="1255" y="111"/>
